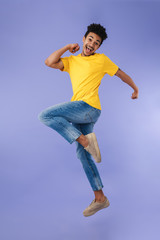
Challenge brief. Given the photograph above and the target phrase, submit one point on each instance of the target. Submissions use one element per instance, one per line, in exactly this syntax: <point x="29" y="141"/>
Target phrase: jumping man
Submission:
<point x="75" y="120"/>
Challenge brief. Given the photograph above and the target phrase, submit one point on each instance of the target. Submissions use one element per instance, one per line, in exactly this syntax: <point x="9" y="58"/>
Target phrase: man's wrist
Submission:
<point x="67" y="47"/>
<point x="136" y="89"/>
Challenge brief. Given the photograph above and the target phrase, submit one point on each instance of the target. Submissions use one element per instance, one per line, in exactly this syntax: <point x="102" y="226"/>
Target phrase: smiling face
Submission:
<point x="90" y="44"/>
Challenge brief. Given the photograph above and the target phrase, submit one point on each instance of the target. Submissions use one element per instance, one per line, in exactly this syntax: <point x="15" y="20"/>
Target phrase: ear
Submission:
<point x="83" y="39"/>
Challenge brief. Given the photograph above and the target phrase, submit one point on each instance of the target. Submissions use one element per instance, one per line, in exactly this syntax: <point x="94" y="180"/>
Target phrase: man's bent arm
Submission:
<point x="127" y="79"/>
<point x="54" y="59"/>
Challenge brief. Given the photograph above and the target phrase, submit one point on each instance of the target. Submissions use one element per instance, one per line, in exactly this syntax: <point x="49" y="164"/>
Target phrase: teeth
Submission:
<point x="89" y="49"/>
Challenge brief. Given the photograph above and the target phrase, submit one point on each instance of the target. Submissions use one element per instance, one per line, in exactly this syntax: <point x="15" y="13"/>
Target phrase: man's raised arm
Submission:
<point x="54" y="61"/>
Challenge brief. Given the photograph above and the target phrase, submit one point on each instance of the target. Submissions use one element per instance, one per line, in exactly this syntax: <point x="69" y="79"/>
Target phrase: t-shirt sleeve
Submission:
<point x="65" y="61"/>
<point x="109" y="67"/>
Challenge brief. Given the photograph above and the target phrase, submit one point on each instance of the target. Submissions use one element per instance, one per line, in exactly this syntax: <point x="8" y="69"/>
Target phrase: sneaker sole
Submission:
<point x="96" y="147"/>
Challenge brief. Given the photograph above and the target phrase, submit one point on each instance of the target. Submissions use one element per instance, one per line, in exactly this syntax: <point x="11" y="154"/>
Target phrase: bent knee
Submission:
<point x="42" y="116"/>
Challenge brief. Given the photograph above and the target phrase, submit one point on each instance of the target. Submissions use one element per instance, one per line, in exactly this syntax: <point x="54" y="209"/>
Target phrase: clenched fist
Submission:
<point x="73" y="47"/>
<point x="135" y="94"/>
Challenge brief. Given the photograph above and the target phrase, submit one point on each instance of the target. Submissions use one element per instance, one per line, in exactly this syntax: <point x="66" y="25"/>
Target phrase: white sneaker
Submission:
<point x="93" y="147"/>
<point x="95" y="207"/>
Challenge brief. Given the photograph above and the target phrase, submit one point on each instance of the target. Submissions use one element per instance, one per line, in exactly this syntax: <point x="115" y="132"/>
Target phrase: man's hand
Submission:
<point x="73" y="47"/>
<point x="135" y="94"/>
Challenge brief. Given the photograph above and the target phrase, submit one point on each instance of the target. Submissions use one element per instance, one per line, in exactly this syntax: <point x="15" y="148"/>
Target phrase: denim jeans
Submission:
<point x="70" y="120"/>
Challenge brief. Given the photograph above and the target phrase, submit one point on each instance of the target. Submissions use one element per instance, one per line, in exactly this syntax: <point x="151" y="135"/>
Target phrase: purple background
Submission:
<point x="43" y="189"/>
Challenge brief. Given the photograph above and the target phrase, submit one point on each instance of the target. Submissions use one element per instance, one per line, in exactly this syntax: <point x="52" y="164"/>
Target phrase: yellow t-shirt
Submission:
<point x="86" y="74"/>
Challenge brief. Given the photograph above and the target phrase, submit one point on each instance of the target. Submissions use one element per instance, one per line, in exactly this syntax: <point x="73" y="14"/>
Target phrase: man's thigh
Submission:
<point x="75" y="112"/>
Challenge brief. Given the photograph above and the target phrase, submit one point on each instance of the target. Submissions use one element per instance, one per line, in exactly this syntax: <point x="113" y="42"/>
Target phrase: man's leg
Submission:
<point x="100" y="201"/>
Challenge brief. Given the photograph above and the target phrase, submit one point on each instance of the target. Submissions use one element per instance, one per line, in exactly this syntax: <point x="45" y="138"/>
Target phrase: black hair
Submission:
<point x="97" y="29"/>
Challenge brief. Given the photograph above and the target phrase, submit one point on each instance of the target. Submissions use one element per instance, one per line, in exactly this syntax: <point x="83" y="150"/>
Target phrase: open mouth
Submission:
<point x="88" y="49"/>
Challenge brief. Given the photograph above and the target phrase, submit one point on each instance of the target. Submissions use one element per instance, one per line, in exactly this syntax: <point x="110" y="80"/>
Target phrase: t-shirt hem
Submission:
<point x="92" y="105"/>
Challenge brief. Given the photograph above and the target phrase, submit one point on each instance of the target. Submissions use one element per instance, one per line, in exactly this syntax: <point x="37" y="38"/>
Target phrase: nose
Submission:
<point x="91" y="44"/>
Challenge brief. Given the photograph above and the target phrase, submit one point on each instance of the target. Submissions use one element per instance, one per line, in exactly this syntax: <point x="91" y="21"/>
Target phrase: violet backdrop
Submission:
<point x="43" y="189"/>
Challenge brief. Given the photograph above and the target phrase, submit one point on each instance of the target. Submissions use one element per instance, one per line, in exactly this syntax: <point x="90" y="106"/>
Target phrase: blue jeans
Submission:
<point x="70" y="120"/>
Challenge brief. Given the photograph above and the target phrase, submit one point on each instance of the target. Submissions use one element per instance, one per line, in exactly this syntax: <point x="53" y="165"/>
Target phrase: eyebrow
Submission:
<point x="96" y="40"/>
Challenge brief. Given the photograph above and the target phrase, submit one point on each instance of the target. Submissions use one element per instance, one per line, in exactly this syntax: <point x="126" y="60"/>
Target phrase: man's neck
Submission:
<point x="83" y="55"/>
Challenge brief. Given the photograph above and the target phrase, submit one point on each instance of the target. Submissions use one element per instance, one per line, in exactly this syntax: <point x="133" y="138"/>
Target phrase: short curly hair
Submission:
<point x="97" y="29"/>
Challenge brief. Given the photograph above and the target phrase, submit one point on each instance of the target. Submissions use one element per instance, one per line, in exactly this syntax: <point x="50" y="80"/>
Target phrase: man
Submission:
<point x="75" y="120"/>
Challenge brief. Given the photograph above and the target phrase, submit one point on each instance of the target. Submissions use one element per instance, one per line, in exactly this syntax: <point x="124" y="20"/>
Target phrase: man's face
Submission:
<point x="90" y="44"/>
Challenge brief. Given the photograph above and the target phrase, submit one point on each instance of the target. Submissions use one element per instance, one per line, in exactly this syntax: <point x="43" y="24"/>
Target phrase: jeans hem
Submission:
<point x="97" y="189"/>
<point x="73" y="140"/>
